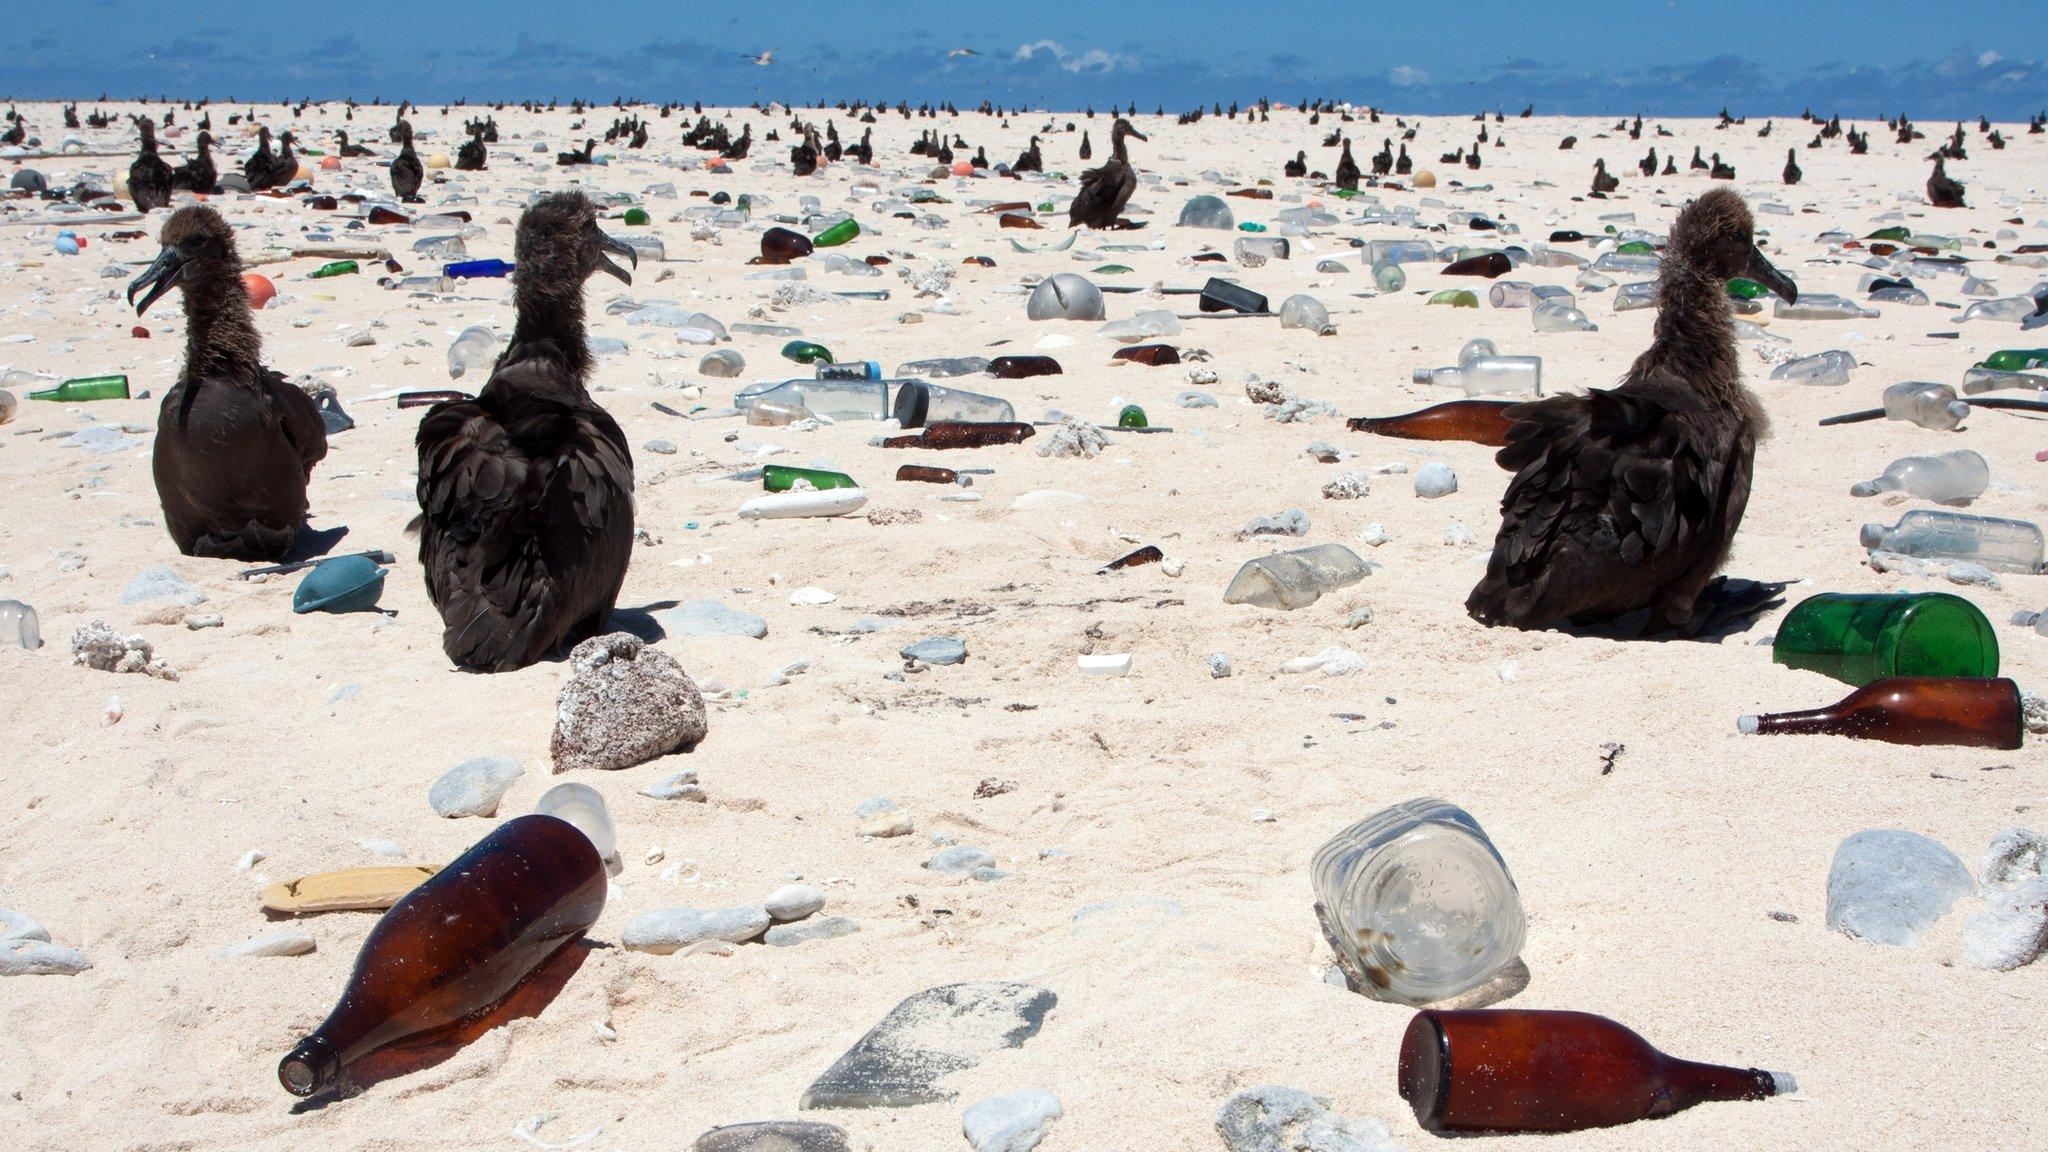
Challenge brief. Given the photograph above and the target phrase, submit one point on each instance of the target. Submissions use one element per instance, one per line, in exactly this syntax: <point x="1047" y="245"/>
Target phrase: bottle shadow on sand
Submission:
<point x="410" y="1057"/>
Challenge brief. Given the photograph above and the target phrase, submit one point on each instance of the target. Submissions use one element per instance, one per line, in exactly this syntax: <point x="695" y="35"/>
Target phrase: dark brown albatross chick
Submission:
<point x="526" y="492"/>
<point x="1629" y="498"/>
<point x="235" y="444"/>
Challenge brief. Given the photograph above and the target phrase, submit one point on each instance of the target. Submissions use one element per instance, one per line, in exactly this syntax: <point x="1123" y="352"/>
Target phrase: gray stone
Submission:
<point x="881" y="817"/>
<point x="1293" y="522"/>
<point x="937" y="650"/>
<point x="2011" y="929"/>
<point x="961" y="861"/>
<point x="710" y="618"/>
<point x="286" y="943"/>
<point x="680" y="786"/>
<point x="1194" y="398"/>
<point x="1012" y="1123"/>
<point x="17" y="926"/>
<point x="667" y="930"/>
<point x="474" y="787"/>
<point x="661" y="447"/>
<point x="1219" y="666"/>
<point x="153" y="585"/>
<point x="200" y="621"/>
<point x="804" y="931"/>
<point x="774" y="1136"/>
<point x="1888" y="886"/>
<point x="624" y="704"/>
<point x="21" y="957"/>
<point x="1277" y="1119"/>
<point x="101" y="440"/>
<point x="794" y="902"/>
<point x="928" y="1037"/>
<point x="1435" y="479"/>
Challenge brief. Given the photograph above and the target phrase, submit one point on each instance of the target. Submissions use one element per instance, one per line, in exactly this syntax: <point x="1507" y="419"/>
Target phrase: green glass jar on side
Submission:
<point x="1858" y="638"/>
<point x="781" y="478"/>
<point x="805" y="352"/>
<point x="1132" y="417"/>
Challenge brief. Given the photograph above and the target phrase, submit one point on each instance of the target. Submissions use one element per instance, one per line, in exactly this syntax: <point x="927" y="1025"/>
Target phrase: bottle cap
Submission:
<point x="1747" y="725"/>
<point x="1873" y="535"/>
<point x="1422" y="375"/>
<point x="1782" y="1083"/>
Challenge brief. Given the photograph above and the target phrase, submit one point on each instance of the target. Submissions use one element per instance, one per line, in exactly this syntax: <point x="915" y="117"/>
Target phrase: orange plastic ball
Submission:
<point x="261" y="290"/>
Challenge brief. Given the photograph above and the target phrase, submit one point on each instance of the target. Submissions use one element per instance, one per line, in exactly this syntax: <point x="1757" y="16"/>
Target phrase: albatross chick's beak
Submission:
<point x="1764" y="273"/>
<point x="608" y="244"/>
<point x="159" y="278"/>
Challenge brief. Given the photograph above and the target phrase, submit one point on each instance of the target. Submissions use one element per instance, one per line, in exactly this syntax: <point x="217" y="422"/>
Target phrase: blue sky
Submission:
<point x="1937" y="59"/>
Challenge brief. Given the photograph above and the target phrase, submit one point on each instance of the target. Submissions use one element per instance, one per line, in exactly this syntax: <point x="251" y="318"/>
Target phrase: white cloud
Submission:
<point x="1988" y="59"/>
<point x="1093" y="60"/>
<point x="1027" y="51"/>
<point x="1401" y="75"/>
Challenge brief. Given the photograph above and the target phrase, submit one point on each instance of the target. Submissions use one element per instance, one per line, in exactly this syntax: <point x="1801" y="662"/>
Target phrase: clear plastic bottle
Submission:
<point x="1636" y="295"/>
<point x="1418" y="903"/>
<point x="1254" y="251"/>
<point x="1958" y="475"/>
<point x="1979" y="380"/>
<point x="1388" y="277"/>
<point x="1560" y="316"/>
<point x="1998" y="544"/>
<point x="1928" y="405"/>
<point x="475" y="350"/>
<point x="1489" y="376"/>
<point x="1821" y="306"/>
<point x="583" y="808"/>
<point x="1295" y="579"/>
<point x="20" y="625"/>
<point x="1304" y="311"/>
<point x="1824" y="368"/>
<point x="1477" y="348"/>
<point x="919" y="403"/>
<point x="725" y="363"/>
<point x="2012" y="309"/>
<point x="1522" y="294"/>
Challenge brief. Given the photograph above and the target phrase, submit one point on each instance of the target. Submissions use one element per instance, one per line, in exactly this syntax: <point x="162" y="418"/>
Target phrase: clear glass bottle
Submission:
<point x="1978" y="380"/>
<point x="19" y="625"/>
<point x="1928" y="405"/>
<point x="1822" y="368"/>
<point x="829" y="399"/>
<point x="1951" y="476"/>
<point x="1560" y="316"/>
<point x="475" y="350"/>
<point x="1418" y="902"/>
<point x="1489" y="376"/>
<point x="919" y="403"/>
<point x="1998" y="544"/>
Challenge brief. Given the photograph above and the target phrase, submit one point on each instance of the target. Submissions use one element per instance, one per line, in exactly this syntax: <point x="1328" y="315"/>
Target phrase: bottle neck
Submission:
<point x="1690" y="1083"/>
<point x="310" y="1067"/>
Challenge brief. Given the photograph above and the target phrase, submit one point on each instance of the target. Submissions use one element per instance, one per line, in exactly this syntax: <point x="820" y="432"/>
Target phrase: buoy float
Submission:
<point x="261" y="290"/>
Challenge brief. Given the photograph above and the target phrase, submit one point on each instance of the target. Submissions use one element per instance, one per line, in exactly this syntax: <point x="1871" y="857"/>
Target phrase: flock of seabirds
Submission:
<point x="1623" y="499"/>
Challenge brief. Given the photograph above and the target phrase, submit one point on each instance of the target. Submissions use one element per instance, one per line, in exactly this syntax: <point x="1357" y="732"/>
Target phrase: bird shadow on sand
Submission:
<point x="313" y="543"/>
<point x="406" y="1058"/>
<point x="641" y="622"/>
<point x="1726" y="607"/>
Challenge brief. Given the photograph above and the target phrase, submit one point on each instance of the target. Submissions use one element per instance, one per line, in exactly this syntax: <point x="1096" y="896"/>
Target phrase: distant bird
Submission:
<point x="764" y="59"/>
<point x="149" y="178"/>
<point x="1087" y="150"/>
<point x="959" y="52"/>
<point x="1106" y="190"/>
<point x="1565" y="145"/>
<point x="803" y="155"/>
<point x="197" y="174"/>
<point x="526" y="492"/>
<point x="1942" y="190"/>
<point x="1721" y="171"/>
<point x="235" y="443"/>
<point x="1297" y="167"/>
<point x="1698" y="164"/>
<point x="1648" y="164"/>
<point x="1629" y="498"/>
<point x="1602" y="182"/>
<point x="1031" y="159"/>
<point x="347" y="149"/>
<point x="576" y="156"/>
<point x="1347" y="174"/>
<point x="406" y="169"/>
<point x="1383" y="160"/>
<point x="1792" y="172"/>
<point x="472" y="156"/>
<point x="256" y="169"/>
<point x="1402" y="164"/>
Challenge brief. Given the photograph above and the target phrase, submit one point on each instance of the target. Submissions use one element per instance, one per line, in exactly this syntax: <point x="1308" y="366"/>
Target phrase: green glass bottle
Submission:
<point x="1251" y="226"/>
<point x="1389" y="277"/>
<point x="805" y="352"/>
<point x="1858" y="638"/>
<point x="338" y="268"/>
<point x="1896" y="233"/>
<point x="837" y="234"/>
<point x="636" y="217"/>
<point x="1345" y="193"/>
<point x="1112" y="270"/>
<point x="1046" y="207"/>
<point x="1637" y="248"/>
<point x="1132" y="417"/>
<point x="2017" y="359"/>
<point x="781" y="478"/>
<point x="86" y="388"/>
<point x="1456" y="298"/>
<point x="1742" y="289"/>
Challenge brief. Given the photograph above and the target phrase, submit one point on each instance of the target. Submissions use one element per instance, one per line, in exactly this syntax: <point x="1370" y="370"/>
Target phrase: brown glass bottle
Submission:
<point x="1912" y="710"/>
<point x="1021" y="367"/>
<point x="926" y="474"/>
<point x="1149" y="554"/>
<point x="1154" y="355"/>
<point x="458" y="944"/>
<point x="780" y="246"/>
<point x="1477" y="421"/>
<point x="1511" y="1070"/>
<point x="1487" y="264"/>
<point x="962" y="435"/>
